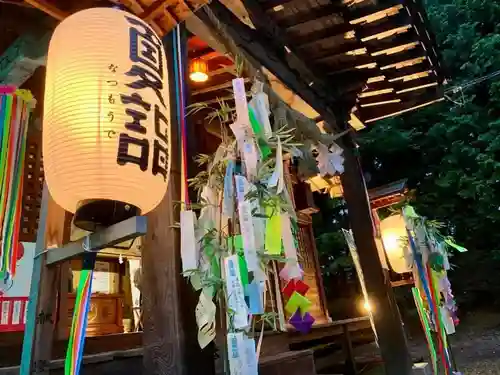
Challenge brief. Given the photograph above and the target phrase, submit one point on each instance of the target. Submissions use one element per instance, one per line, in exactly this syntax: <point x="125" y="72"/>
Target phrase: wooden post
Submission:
<point x="41" y="316"/>
<point x="170" y="331"/>
<point x="391" y="336"/>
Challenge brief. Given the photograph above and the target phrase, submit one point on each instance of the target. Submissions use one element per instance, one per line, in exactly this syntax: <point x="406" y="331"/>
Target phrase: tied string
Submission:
<point x="180" y="85"/>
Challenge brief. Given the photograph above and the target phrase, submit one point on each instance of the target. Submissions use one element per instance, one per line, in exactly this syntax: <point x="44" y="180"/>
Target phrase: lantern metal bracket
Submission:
<point x="123" y="231"/>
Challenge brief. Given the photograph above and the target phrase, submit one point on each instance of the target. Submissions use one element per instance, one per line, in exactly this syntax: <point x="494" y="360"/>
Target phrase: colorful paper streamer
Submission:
<point x="15" y="111"/>
<point x="74" y="353"/>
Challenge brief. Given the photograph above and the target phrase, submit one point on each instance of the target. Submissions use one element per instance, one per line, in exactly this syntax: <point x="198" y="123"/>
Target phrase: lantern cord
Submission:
<point x="180" y="86"/>
<point x="15" y="109"/>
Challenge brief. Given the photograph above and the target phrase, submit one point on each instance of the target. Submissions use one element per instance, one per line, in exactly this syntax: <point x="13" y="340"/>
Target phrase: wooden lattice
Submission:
<point x="33" y="186"/>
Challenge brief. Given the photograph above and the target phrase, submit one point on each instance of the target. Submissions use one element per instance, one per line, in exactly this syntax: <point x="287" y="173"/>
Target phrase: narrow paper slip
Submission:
<point x="189" y="252"/>
<point x="235" y="293"/>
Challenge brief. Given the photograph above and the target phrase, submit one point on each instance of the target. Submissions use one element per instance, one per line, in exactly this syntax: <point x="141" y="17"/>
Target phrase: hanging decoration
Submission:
<point x="432" y="292"/>
<point x="330" y="160"/>
<point x="246" y="223"/>
<point x="15" y="110"/>
<point x="74" y="352"/>
<point x="106" y="132"/>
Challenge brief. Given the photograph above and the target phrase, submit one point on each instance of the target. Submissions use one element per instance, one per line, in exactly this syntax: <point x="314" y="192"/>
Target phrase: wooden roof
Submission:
<point x="388" y="194"/>
<point x="162" y="15"/>
<point x="379" y="54"/>
<point x="376" y="58"/>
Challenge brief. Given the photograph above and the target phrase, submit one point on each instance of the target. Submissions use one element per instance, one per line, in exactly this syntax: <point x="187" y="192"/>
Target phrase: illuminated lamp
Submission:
<point x="198" y="70"/>
<point x="394" y="238"/>
<point x="106" y="132"/>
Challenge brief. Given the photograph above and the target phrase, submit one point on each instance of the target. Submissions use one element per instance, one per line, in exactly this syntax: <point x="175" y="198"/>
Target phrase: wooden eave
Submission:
<point x="162" y="15"/>
<point x="388" y="195"/>
<point x="345" y="50"/>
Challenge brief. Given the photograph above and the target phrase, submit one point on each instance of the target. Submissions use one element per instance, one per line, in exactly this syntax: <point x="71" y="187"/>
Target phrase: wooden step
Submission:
<point x="288" y="363"/>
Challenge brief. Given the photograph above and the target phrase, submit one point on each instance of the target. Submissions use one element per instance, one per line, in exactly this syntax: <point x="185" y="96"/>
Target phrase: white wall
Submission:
<point x="20" y="286"/>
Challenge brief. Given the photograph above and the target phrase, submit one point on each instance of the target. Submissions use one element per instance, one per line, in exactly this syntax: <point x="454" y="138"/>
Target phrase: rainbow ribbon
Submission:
<point x="180" y="90"/>
<point x="15" y="111"/>
<point x="426" y="326"/>
<point x="74" y="353"/>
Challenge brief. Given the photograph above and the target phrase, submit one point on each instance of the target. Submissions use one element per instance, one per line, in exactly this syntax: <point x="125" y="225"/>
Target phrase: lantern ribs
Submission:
<point x="124" y="231"/>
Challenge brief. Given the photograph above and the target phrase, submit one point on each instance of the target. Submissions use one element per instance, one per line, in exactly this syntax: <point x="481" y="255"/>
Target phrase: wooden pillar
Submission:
<point x="41" y="318"/>
<point x="170" y="331"/>
<point x="391" y="336"/>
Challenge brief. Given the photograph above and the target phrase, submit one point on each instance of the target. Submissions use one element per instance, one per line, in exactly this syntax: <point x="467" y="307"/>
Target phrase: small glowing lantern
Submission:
<point x="365" y="306"/>
<point x="106" y="132"/>
<point x="394" y="238"/>
<point x="198" y="70"/>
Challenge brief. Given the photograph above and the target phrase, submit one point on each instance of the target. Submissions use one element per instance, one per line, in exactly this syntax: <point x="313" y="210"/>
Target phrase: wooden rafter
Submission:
<point x="311" y="15"/>
<point x="254" y="46"/>
<point x="48" y="8"/>
<point x="225" y="85"/>
<point x="280" y="42"/>
<point x="271" y="4"/>
<point x="324" y="33"/>
<point x="156" y="9"/>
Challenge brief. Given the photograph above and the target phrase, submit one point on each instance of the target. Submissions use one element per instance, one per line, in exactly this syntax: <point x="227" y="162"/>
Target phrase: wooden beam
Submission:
<point x="387" y="321"/>
<point x="412" y="102"/>
<point x="387" y="60"/>
<point x="399" y="22"/>
<point x="169" y="302"/>
<point x="200" y="53"/>
<point x="422" y="26"/>
<point x="253" y="45"/>
<point x="377" y="46"/>
<point x="284" y="46"/>
<point x="225" y="85"/>
<point x="271" y="4"/>
<point x="318" y="53"/>
<point x="404" y="85"/>
<point x="322" y="34"/>
<point x="312" y="14"/>
<point x="156" y="9"/>
<point x="393" y="74"/>
<point x="382" y="99"/>
<point x="226" y="69"/>
<point x="48" y="8"/>
<point x="392" y="7"/>
<point x="41" y="318"/>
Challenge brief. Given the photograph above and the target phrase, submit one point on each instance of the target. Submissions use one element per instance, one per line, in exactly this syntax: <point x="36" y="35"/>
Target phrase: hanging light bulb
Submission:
<point x="106" y="132"/>
<point x="198" y="70"/>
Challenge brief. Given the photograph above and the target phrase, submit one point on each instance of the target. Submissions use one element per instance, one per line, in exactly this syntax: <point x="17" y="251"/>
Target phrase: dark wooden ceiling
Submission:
<point x="375" y="56"/>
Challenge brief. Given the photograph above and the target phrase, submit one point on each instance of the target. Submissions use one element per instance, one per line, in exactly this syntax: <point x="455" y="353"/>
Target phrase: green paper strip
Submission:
<point x="426" y="326"/>
<point x="273" y="232"/>
<point x="265" y="150"/>
<point x="297" y="301"/>
<point x="455" y="246"/>
<point x="243" y="271"/>
<point x="409" y="211"/>
<point x="238" y="243"/>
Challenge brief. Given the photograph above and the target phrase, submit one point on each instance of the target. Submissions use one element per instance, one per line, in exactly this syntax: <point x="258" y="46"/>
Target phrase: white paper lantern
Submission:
<point x="395" y="240"/>
<point x="106" y="132"/>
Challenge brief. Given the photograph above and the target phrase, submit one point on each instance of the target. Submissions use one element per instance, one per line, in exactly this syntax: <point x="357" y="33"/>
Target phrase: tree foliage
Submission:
<point x="450" y="152"/>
